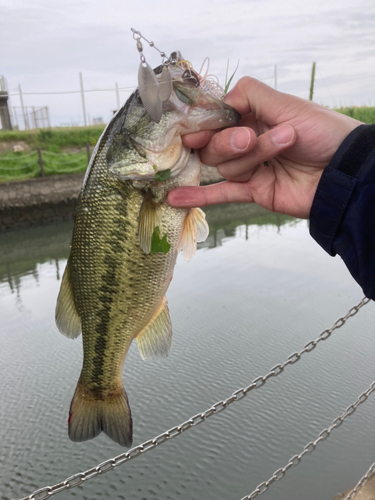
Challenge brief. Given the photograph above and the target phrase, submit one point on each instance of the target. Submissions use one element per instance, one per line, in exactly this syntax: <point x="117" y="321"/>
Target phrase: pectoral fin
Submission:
<point x="155" y="340"/>
<point x="195" y="230"/>
<point x="202" y="226"/>
<point x="149" y="218"/>
<point x="66" y="314"/>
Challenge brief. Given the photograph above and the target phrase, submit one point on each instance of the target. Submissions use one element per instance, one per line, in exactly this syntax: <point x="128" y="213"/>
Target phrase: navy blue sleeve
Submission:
<point x="342" y="217"/>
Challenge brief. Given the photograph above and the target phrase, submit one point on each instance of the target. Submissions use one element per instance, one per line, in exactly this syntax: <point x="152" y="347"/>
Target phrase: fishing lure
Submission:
<point x="153" y="92"/>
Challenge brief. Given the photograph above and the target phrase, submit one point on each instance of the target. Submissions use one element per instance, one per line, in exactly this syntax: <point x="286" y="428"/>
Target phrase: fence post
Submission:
<point x="117" y="97"/>
<point x="83" y="100"/>
<point x="275" y="77"/>
<point x="312" y="82"/>
<point x="88" y="152"/>
<point x="40" y="161"/>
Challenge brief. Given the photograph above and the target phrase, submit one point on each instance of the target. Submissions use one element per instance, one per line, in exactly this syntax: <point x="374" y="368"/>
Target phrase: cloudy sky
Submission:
<point x="46" y="43"/>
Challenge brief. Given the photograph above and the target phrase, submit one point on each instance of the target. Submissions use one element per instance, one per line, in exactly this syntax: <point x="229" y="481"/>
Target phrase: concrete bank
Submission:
<point x="47" y="198"/>
<point x="367" y="492"/>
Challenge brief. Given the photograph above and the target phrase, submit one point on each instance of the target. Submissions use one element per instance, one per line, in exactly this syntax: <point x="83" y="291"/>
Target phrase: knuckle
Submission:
<point x="217" y="151"/>
<point x="266" y="148"/>
<point x="245" y="82"/>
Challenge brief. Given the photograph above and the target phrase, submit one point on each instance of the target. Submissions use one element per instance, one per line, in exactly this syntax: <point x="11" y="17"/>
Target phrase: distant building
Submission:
<point x="98" y="121"/>
<point x="4" y="110"/>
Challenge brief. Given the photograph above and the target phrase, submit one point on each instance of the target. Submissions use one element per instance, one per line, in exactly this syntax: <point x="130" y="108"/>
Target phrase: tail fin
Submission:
<point x="89" y="416"/>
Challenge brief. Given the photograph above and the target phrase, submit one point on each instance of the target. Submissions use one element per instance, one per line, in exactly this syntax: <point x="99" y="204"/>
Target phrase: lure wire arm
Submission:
<point x="137" y="35"/>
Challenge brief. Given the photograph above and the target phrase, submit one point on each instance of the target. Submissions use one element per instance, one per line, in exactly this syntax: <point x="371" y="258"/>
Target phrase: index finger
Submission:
<point x="201" y="196"/>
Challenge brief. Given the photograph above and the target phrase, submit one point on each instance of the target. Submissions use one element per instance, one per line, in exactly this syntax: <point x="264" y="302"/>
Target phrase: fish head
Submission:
<point x="140" y="148"/>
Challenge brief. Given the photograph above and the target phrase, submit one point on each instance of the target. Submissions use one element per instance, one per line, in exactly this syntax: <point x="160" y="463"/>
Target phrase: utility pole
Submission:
<point x="117" y="97"/>
<point x="15" y="117"/>
<point x="83" y="100"/>
<point x="48" y="118"/>
<point x="275" y="77"/>
<point x="312" y="81"/>
<point x="25" y="119"/>
<point x="34" y="117"/>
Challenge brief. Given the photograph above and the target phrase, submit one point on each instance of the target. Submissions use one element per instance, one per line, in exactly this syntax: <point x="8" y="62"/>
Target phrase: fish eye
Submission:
<point x="190" y="76"/>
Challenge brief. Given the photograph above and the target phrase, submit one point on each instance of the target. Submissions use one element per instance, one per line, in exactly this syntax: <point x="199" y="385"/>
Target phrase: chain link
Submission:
<point x="310" y="447"/>
<point x="197" y="419"/>
<point x="360" y="483"/>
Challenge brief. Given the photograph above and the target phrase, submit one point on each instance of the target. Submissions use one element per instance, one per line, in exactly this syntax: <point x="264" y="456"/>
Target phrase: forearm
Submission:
<point x="342" y="217"/>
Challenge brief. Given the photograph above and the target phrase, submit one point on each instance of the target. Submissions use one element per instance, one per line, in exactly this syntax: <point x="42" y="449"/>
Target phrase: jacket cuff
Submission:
<point x="337" y="183"/>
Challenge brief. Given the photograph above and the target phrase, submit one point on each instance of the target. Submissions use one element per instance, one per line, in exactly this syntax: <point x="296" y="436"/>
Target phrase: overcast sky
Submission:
<point x="46" y="43"/>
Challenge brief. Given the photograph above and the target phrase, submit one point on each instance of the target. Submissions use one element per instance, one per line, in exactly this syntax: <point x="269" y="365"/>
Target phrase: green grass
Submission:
<point x="55" y="144"/>
<point x="55" y="139"/>
<point x="25" y="165"/>
<point x="365" y="114"/>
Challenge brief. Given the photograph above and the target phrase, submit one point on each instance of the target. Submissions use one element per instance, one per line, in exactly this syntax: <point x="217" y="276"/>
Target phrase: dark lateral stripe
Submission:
<point x="110" y="285"/>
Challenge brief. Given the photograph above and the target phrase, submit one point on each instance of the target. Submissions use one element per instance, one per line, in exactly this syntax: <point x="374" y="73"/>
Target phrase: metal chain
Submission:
<point x="360" y="483"/>
<point x="17" y="158"/>
<point x="12" y="169"/>
<point x="310" y="447"/>
<point x="77" y="479"/>
<point x="65" y="171"/>
<point x="26" y="175"/>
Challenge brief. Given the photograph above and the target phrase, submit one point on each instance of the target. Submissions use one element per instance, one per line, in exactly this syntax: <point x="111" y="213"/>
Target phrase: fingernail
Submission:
<point x="240" y="139"/>
<point x="282" y="135"/>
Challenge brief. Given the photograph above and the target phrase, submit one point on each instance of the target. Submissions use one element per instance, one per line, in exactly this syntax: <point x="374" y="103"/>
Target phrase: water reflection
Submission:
<point x="237" y="310"/>
<point x="23" y="250"/>
<point x="224" y="221"/>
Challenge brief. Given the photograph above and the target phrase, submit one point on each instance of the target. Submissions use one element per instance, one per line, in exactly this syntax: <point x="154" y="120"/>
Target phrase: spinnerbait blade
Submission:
<point x="149" y="91"/>
<point x="165" y="84"/>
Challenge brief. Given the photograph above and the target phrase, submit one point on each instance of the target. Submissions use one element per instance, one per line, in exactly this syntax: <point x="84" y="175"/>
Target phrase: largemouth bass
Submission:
<point x="125" y="244"/>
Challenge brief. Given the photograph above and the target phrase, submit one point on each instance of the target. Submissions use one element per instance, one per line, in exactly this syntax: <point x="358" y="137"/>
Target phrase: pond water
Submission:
<point x="255" y="292"/>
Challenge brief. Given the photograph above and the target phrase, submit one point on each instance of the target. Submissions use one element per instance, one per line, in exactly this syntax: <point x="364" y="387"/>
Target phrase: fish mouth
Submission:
<point x="156" y="147"/>
<point x="175" y="155"/>
<point x="214" y="120"/>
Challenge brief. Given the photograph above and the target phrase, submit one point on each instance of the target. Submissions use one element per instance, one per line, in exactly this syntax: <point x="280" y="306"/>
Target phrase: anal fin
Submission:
<point x="66" y="314"/>
<point x="155" y="340"/>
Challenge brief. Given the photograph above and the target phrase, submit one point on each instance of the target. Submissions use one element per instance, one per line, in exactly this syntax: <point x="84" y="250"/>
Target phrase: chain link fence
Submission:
<point x="39" y="163"/>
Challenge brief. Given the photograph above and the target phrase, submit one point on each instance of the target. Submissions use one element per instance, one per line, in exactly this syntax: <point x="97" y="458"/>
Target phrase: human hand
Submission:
<point x="297" y="140"/>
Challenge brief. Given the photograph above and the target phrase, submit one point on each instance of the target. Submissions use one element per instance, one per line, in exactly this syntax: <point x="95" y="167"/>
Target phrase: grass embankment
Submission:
<point x="365" y="114"/>
<point x="64" y="149"/>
